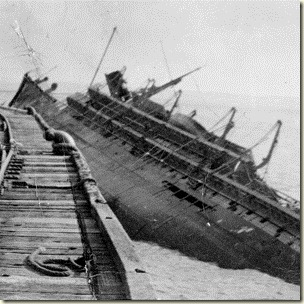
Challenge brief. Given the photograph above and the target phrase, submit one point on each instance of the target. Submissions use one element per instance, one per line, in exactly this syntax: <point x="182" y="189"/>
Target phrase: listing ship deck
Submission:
<point x="153" y="174"/>
<point x="59" y="238"/>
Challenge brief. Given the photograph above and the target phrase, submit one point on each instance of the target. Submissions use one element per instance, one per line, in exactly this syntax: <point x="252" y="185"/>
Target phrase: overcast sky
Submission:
<point x="245" y="47"/>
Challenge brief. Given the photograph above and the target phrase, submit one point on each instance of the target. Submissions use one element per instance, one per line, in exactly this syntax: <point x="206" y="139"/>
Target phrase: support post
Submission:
<point x="103" y="55"/>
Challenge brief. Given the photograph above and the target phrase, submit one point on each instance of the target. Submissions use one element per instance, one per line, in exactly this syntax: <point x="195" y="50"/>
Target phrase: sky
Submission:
<point x="249" y="52"/>
<point x="244" y="47"/>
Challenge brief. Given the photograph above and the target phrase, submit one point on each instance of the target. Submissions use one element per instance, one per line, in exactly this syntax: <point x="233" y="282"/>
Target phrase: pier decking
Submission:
<point x="53" y="215"/>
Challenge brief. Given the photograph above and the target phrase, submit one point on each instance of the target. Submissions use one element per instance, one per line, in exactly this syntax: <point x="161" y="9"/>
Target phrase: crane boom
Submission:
<point x="155" y="90"/>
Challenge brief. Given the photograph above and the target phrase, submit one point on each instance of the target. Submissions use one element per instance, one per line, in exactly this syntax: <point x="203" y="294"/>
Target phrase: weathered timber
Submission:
<point x="45" y="202"/>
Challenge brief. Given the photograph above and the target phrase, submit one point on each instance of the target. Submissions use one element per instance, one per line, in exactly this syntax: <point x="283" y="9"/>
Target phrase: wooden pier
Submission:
<point x="59" y="238"/>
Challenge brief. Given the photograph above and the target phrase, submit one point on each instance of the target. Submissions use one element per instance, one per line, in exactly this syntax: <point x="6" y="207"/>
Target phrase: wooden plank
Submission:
<point x="44" y="183"/>
<point x="47" y="191"/>
<point x="29" y="272"/>
<point x="45" y="242"/>
<point x="46" y="205"/>
<point x="49" y="230"/>
<point x="33" y="245"/>
<point x="42" y="194"/>
<point x="45" y="152"/>
<point x="43" y="213"/>
<point x="41" y="184"/>
<point x="103" y="253"/>
<point x="48" y="163"/>
<point x="24" y="121"/>
<point x="45" y="222"/>
<point x="11" y="263"/>
<point x="12" y="113"/>
<point x="37" y="169"/>
<point x="35" y="151"/>
<point x="40" y="208"/>
<point x="28" y="221"/>
<point x="19" y="260"/>
<point x="40" y="239"/>
<point x="46" y="158"/>
<point x="10" y="257"/>
<point x="21" y="296"/>
<point x="50" y="175"/>
<point x="51" y="250"/>
<point x="38" y="233"/>
<point x="44" y="284"/>
<point x="43" y="202"/>
<point x="32" y="147"/>
<point x="63" y="179"/>
<point x="23" y="191"/>
<point x="95" y="238"/>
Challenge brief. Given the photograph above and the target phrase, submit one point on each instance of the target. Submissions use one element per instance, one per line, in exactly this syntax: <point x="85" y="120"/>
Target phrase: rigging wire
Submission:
<point x="121" y="165"/>
<point x="166" y="60"/>
<point x="110" y="131"/>
<point x="167" y="66"/>
<point x="134" y="171"/>
<point x="218" y="169"/>
<point x="199" y="90"/>
<point x="221" y="168"/>
<point x="226" y="115"/>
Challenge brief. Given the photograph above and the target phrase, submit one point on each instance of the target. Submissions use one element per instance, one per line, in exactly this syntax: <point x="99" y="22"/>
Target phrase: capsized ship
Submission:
<point x="171" y="181"/>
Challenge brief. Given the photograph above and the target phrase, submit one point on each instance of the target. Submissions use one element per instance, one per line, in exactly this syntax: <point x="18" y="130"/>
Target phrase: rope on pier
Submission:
<point x="44" y="268"/>
<point x="62" y="269"/>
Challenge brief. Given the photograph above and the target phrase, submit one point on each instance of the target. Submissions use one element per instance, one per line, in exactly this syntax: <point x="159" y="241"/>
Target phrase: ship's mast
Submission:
<point x="103" y="55"/>
<point x="179" y="94"/>
<point x="30" y="51"/>
<point x="274" y="143"/>
<point x="230" y="124"/>
<point x="228" y="127"/>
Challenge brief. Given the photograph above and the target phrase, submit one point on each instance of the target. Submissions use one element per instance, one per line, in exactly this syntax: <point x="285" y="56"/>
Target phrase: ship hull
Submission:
<point x="154" y="204"/>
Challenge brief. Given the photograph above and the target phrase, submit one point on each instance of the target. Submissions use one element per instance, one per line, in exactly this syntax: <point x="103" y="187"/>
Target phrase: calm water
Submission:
<point x="177" y="277"/>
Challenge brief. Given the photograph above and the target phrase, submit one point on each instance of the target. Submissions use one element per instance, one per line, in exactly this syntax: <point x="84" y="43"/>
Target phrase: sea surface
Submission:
<point x="175" y="276"/>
